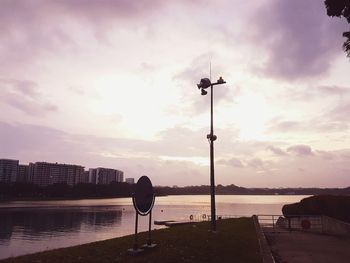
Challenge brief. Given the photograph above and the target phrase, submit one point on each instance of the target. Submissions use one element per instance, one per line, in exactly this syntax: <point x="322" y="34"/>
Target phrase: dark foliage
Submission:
<point x="236" y="190"/>
<point x="63" y="191"/>
<point x="336" y="206"/>
<point x="340" y="8"/>
<point x="58" y="191"/>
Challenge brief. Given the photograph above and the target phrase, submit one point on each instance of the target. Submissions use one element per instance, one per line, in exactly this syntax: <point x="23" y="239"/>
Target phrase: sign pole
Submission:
<point x="143" y="200"/>
<point x="149" y="241"/>
<point x="136" y="224"/>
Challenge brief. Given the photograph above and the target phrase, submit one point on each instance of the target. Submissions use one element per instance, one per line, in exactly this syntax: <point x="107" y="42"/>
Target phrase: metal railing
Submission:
<point x="279" y="223"/>
<point x="207" y="217"/>
<point x="268" y="222"/>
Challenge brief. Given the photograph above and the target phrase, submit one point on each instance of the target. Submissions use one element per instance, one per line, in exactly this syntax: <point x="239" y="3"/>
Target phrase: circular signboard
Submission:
<point x="305" y="224"/>
<point x="143" y="197"/>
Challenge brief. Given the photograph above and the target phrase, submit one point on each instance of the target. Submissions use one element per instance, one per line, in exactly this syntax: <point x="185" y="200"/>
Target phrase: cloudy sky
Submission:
<point x="112" y="83"/>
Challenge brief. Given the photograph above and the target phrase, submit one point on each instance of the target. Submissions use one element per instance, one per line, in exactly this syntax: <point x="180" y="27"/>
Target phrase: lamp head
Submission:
<point x="221" y="80"/>
<point x="204" y="84"/>
<point x="203" y="92"/>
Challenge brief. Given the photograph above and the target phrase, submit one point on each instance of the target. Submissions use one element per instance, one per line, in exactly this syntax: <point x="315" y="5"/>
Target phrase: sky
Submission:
<point x="112" y="83"/>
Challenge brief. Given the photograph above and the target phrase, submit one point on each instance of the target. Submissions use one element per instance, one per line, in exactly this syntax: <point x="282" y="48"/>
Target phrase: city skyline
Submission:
<point x="44" y="174"/>
<point x="113" y="84"/>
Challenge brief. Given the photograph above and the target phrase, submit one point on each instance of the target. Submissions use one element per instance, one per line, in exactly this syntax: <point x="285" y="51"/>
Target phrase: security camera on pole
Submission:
<point x="203" y="85"/>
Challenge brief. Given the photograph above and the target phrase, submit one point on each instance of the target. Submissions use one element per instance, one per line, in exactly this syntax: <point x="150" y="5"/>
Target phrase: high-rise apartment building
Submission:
<point x="92" y="175"/>
<point x="44" y="174"/>
<point x="130" y="180"/>
<point x="8" y="170"/>
<point x="23" y="173"/>
<point x="85" y="178"/>
<point x="105" y="175"/>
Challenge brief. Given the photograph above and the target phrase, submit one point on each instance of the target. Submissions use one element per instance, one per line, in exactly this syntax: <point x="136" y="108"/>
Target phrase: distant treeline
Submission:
<point x="64" y="191"/>
<point x="10" y="191"/>
<point x="236" y="190"/>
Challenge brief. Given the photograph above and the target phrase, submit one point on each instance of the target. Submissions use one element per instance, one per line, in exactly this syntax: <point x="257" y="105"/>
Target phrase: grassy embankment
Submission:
<point x="235" y="241"/>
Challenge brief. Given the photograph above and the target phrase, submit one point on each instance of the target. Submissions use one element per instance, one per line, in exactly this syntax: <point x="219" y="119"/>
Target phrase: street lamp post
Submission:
<point x="203" y="85"/>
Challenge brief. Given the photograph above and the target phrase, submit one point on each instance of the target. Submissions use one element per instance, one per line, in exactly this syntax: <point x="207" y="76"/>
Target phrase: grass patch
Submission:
<point x="235" y="241"/>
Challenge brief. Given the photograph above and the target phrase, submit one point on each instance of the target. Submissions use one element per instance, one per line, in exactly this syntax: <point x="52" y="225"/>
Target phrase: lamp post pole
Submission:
<point x="212" y="178"/>
<point x="204" y="84"/>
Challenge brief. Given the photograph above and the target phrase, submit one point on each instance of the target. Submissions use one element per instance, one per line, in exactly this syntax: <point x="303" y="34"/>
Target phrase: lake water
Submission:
<point x="28" y="227"/>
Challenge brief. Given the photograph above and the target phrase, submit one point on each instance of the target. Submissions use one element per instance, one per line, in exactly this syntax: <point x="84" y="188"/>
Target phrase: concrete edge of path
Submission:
<point x="265" y="250"/>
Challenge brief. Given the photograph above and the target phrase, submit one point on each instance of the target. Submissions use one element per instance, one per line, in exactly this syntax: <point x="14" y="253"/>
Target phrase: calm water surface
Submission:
<point x="28" y="227"/>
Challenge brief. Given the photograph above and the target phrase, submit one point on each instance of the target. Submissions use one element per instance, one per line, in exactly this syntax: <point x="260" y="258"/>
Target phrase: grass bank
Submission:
<point x="235" y="241"/>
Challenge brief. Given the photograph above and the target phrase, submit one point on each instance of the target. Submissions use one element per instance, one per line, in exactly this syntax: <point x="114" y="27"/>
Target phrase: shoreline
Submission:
<point x="120" y="197"/>
<point x="58" y="199"/>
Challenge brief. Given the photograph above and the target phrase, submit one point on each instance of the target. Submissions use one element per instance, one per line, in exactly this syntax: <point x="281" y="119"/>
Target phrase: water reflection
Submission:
<point x="40" y="223"/>
<point x="28" y="227"/>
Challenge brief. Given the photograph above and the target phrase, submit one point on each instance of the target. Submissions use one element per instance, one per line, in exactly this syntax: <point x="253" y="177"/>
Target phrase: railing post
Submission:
<point x="289" y="225"/>
<point x="273" y="223"/>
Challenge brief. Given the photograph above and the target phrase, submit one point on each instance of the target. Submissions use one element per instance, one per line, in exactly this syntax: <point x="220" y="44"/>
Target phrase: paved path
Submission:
<point x="301" y="247"/>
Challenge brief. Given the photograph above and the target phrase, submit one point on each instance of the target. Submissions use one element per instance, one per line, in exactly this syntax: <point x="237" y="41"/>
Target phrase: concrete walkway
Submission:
<point x="303" y="247"/>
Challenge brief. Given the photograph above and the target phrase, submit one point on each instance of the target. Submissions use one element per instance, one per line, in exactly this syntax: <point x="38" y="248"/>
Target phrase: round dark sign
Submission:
<point x="143" y="197"/>
<point x="305" y="224"/>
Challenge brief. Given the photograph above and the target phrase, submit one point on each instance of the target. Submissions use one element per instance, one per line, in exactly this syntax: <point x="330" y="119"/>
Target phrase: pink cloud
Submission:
<point x="300" y="150"/>
<point x="234" y="162"/>
<point x="334" y="121"/>
<point x="283" y="126"/>
<point x="33" y="29"/>
<point x="136" y="157"/>
<point x="24" y="95"/>
<point x="256" y="163"/>
<point x="276" y="150"/>
<point x="299" y="38"/>
<point x="340" y="112"/>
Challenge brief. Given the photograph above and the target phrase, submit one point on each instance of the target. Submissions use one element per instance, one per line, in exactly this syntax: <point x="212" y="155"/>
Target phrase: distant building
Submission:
<point x="102" y="175"/>
<point x="44" y="174"/>
<point x="82" y="177"/>
<point x="130" y="180"/>
<point x="8" y="170"/>
<point x="85" y="177"/>
<point x="92" y="175"/>
<point x="23" y="173"/>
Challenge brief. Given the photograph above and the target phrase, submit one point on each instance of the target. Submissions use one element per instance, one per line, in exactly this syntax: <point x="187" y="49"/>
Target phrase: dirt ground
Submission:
<point x="303" y="247"/>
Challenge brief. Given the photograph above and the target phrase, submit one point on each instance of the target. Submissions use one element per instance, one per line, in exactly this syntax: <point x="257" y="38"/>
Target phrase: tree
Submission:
<point x="340" y="8"/>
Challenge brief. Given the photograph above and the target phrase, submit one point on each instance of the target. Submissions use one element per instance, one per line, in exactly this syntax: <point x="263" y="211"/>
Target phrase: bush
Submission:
<point x="336" y="206"/>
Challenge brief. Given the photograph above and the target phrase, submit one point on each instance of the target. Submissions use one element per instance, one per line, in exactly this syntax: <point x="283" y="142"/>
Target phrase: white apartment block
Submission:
<point x="102" y="175"/>
<point x="44" y="174"/>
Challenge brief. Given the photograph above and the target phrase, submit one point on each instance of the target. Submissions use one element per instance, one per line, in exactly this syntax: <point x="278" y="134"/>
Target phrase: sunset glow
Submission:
<point x="113" y="83"/>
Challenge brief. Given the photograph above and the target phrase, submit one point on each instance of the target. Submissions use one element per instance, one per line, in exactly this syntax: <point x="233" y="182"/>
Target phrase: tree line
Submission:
<point x="12" y="191"/>
<point x="64" y="191"/>
<point x="237" y="190"/>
